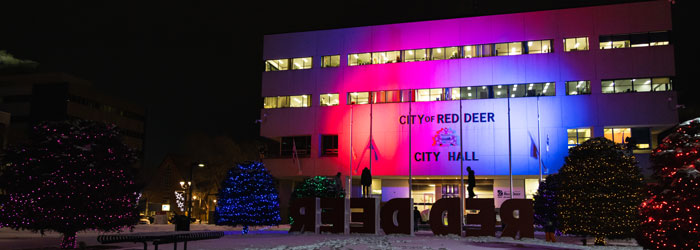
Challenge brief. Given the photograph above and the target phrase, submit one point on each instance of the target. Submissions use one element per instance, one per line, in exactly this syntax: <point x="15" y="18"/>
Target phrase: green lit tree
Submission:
<point x="318" y="186"/>
<point x="600" y="190"/>
<point x="72" y="176"/>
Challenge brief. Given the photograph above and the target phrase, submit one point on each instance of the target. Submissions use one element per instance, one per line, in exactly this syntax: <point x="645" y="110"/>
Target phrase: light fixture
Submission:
<point x="182" y="183"/>
<point x="512" y="95"/>
<point x="647" y="82"/>
<point x="469" y="48"/>
<point x="544" y="47"/>
<point x="355" y="55"/>
<point x="469" y="88"/>
<point x="576" y="45"/>
<point x="201" y="165"/>
<point x="410" y="52"/>
<point x="439" y="50"/>
<point x="498" y="93"/>
<point x="470" y="94"/>
<point x="194" y="197"/>
<point x="432" y="185"/>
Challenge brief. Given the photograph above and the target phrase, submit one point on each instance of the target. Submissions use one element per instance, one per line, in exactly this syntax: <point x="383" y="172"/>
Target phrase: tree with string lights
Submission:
<point x="248" y="197"/>
<point x="670" y="215"/>
<point x="72" y="176"/>
<point x="601" y="188"/>
<point x="546" y="204"/>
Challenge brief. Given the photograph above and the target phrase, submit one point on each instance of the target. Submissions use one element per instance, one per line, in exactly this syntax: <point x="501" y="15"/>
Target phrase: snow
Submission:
<point x="277" y="238"/>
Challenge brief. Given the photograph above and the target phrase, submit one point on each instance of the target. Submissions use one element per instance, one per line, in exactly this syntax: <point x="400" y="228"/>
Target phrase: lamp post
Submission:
<point x="189" y="193"/>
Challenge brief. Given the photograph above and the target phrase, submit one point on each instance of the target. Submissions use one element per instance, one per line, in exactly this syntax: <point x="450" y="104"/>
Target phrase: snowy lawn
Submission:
<point x="277" y="238"/>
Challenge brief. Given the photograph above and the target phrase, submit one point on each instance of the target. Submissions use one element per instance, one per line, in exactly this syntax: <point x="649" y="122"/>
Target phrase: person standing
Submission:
<point x="471" y="182"/>
<point x="338" y="182"/>
<point x="366" y="181"/>
<point x="416" y="219"/>
<point x="549" y="231"/>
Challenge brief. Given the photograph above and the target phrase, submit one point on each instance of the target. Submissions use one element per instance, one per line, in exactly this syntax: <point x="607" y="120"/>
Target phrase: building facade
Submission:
<point x="32" y="97"/>
<point x="428" y="99"/>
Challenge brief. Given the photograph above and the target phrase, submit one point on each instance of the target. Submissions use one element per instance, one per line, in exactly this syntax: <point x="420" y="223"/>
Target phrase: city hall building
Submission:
<point x="429" y="99"/>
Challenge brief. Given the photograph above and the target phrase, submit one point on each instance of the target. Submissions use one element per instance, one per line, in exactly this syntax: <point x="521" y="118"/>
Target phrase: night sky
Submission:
<point x="197" y="67"/>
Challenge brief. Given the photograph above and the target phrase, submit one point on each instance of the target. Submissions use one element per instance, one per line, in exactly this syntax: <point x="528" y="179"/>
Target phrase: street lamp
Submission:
<point x="189" y="192"/>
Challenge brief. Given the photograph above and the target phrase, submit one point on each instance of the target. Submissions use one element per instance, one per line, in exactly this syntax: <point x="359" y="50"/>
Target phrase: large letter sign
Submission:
<point x="396" y="216"/>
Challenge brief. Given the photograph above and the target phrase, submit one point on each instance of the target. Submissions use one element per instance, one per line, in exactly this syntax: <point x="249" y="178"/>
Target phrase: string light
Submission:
<point x="248" y="197"/>
<point x="670" y="215"/>
<point x="73" y="176"/>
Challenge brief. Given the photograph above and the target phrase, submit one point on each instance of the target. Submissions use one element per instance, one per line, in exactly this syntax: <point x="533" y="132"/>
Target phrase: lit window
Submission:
<point x="484" y="92"/>
<point x="277" y="65"/>
<point x="386" y="57"/>
<point x="283" y="101"/>
<point x="658" y="38"/>
<point x="414" y="55"/>
<point x="661" y="84"/>
<point x="378" y="97"/>
<point x="270" y="102"/>
<point x="301" y="63"/>
<point x="578" y="88"/>
<point x="393" y="96"/>
<point x="501" y="49"/>
<point x="300" y="101"/>
<point x="437" y="53"/>
<point x="518" y="90"/>
<point x="500" y="91"/>
<point x="436" y="95"/>
<point x="329" y="100"/>
<point x="636" y="85"/>
<point x="330" y="61"/>
<point x="358" y="98"/>
<point x="452" y="52"/>
<point x="423" y="95"/>
<point x="359" y="59"/>
<point x="577" y="136"/>
<point x="483" y="50"/>
<point x="452" y="94"/>
<point x="408" y="95"/>
<point x="468" y="93"/>
<point x="617" y="135"/>
<point x="575" y="44"/>
<point x="538" y="47"/>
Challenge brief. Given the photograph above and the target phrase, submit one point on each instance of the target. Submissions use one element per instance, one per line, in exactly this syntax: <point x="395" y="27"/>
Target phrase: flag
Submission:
<point x="533" y="150"/>
<point x="374" y="150"/>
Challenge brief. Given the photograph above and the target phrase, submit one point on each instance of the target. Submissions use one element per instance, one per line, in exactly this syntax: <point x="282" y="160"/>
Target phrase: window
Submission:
<point x="614" y="41"/>
<point x="509" y="49"/>
<point x="468" y="93"/>
<point x="634" y="40"/>
<point x="358" y="98"/>
<point x="578" y="88"/>
<point x="329" y="145"/>
<point x="301" y="63"/>
<point x="577" y="136"/>
<point x="378" y="97"/>
<point x="359" y="59"/>
<point x="636" y="85"/>
<point x="658" y="38"/>
<point x="484" y="92"/>
<point x="617" y="135"/>
<point x="270" y="102"/>
<point x="386" y="57"/>
<point x="437" y="53"/>
<point x="661" y="84"/>
<point x="329" y="100"/>
<point x="575" y="44"/>
<point x="452" y="52"/>
<point x="393" y="96"/>
<point x="539" y="47"/>
<point x="436" y="95"/>
<point x="297" y="101"/>
<point x="408" y="95"/>
<point x="277" y="65"/>
<point x="414" y="55"/>
<point x="452" y="94"/>
<point x="330" y="61"/>
<point x="301" y="145"/>
<point x="500" y="91"/>
<point x="518" y="90"/>
<point x="300" y="101"/>
<point x="422" y="95"/>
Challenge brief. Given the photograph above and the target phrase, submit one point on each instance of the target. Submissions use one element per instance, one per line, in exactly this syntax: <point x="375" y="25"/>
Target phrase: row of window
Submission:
<point x="456" y="52"/>
<point x="105" y="107"/>
<point x="639" y="138"/>
<point x="468" y="93"/>
<point x="473" y="51"/>
<point x="634" y="40"/>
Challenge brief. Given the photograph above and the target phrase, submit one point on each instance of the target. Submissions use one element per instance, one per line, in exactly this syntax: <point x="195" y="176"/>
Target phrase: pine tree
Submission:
<point x="546" y="204"/>
<point x="670" y="215"/>
<point x="248" y="197"/>
<point x="72" y="176"/>
<point x="600" y="190"/>
<point x="318" y="186"/>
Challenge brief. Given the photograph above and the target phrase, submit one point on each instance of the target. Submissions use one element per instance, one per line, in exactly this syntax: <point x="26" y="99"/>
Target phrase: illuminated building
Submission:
<point x="586" y="72"/>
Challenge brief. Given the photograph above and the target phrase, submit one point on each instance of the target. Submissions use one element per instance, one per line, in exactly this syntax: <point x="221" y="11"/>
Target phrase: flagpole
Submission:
<point x="510" y="160"/>
<point x="410" y="124"/>
<point x="461" y="166"/>
<point x="539" y="139"/>
<point x="371" y="105"/>
<point x="352" y="116"/>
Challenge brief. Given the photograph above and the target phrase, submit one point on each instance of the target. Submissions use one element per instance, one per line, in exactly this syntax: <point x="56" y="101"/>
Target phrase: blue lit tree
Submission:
<point x="72" y="176"/>
<point x="248" y="197"/>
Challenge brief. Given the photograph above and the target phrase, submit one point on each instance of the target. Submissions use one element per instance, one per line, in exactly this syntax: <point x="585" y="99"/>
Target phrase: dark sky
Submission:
<point x="197" y="66"/>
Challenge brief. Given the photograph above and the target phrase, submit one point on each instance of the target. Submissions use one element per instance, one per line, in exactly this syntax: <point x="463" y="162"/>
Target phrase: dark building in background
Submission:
<point x="34" y="97"/>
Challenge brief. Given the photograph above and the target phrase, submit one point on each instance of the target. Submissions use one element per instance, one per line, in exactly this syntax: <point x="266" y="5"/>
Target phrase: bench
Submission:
<point x="159" y="238"/>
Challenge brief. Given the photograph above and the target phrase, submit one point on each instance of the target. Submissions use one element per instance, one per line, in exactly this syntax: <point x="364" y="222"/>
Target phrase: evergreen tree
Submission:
<point x="546" y="204"/>
<point x="318" y="186"/>
<point x="73" y="176"/>
<point x="670" y="215"/>
<point x="600" y="190"/>
<point x="248" y="197"/>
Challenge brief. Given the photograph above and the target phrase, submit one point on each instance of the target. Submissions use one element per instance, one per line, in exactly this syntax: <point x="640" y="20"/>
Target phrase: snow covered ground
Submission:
<point x="277" y="238"/>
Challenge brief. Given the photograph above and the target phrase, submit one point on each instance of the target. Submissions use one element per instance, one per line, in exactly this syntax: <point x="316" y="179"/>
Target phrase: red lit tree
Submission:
<point x="72" y="176"/>
<point x="670" y="216"/>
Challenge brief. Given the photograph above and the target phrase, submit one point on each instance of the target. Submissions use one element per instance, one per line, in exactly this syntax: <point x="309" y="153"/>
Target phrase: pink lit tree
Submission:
<point x="72" y="176"/>
<point x="671" y="215"/>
